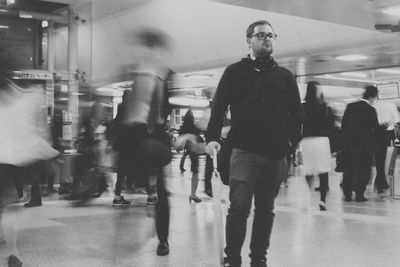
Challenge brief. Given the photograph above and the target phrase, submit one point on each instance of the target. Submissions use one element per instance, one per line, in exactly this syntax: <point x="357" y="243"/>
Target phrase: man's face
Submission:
<point x="261" y="48"/>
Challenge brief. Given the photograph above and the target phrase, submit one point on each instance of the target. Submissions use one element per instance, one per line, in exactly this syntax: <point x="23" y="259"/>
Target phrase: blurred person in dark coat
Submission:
<point x="359" y="126"/>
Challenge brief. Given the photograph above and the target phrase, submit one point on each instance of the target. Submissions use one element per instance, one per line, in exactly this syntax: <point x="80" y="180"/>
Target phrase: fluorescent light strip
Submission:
<point x="4" y="27"/>
<point x="355" y="74"/>
<point x="25" y="16"/>
<point x="391" y="71"/>
<point x="351" y="57"/>
<point x="394" y="10"/>
<point x="328" y="76"/>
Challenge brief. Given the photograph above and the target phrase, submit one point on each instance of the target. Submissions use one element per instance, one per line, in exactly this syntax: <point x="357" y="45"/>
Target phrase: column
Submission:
<point x="73" y="100"/>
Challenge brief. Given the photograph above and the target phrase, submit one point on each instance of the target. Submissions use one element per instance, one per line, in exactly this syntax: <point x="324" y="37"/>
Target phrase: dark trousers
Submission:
<point x="10" y="177"/>
<point x="208" y="173"/>
<point x="34" y="173"/>
<point x="19" y="185"/>
<point x="162" y="209"/>
<point x="380" y="159"/>
<point x="323" y="184"/>
<point x="357" y="171"/>
<point x="251" y="174"/>
<point x="182" y="162"/>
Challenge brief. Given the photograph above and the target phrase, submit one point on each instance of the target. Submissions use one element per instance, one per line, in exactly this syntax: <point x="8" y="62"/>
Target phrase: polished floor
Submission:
<point x="348" y="234"/>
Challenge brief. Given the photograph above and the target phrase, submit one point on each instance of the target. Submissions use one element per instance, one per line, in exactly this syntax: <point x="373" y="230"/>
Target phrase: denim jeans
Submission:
<point x="251" y="174"/>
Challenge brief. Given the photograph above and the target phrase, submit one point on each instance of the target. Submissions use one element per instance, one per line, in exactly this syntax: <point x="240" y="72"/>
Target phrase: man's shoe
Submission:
<point x="230" y="263"/>
<point x="347" y="199"/>
<point x="32" y="204"/>
<point x="209" y="193"/>
<point x="361" y="199"/>
<point x="121" y="202"/>
<point x="262" y="262"/>
<point x="163" y="248"/>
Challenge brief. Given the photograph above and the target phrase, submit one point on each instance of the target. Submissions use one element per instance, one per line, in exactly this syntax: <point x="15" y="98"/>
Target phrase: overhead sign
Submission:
<point x="388" y="91"/>
<point x="31" y="75"/>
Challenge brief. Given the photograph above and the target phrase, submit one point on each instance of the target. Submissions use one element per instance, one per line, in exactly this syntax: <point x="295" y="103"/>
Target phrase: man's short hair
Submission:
<point x="370" y="92"/>
<point x="250" y="29"/>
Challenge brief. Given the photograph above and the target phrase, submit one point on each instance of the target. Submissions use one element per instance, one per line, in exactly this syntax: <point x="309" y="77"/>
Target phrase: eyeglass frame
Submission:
<point x="268" y="35"/>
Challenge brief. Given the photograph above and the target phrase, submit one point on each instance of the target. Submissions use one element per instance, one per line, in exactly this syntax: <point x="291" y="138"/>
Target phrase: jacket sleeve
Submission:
<point x="295" y="113"/>
<point x="218" y="107"/>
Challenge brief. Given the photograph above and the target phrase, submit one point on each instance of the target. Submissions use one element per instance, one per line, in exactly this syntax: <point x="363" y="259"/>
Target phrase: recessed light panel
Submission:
<point x="391" y="71"/>
<point x="394" y="10"/>
<point x="351" y="57"/>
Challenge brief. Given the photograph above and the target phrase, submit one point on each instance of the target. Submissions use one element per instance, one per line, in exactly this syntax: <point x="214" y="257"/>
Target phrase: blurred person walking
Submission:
<point x="143" y="133"/>
<point x="23" y="144"/>
<point x="123" y="162"/>
<point x="388" y="118"/>
<point x="316" y="151"/>
<point x="189" y="127"/>
<point x="359" y="125"/>
<point x="266" y="118"/>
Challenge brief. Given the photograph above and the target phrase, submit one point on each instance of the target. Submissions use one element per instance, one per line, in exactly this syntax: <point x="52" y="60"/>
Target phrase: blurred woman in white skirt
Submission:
<point x="315" y="143"/>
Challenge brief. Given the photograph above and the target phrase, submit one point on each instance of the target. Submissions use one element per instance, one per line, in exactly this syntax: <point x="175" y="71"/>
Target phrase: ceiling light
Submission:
<point x="25" y="15"/>
<point x="331" y="77"/>
<point x="4" y="26"/>
<point x="394" y="10"/>
<point x="351" y="57"/>
<point x="391" y="71"/>
<point x="10" y="2"/>
<point x="3" y="10"/>
<point x="45" y="23"/>
<point x="199" y="75"/>
<point x="355" y="74"/>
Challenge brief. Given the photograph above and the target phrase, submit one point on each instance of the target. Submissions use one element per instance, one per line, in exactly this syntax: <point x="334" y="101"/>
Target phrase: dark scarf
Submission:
<point x="259" y="64"/>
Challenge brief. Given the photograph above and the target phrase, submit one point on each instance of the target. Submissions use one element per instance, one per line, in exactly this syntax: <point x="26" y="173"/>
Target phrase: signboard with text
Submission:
<point x="388" y="91"/>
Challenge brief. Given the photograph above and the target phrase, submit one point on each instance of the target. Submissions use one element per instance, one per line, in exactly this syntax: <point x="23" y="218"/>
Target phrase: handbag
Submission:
<point x="339" y="162"/>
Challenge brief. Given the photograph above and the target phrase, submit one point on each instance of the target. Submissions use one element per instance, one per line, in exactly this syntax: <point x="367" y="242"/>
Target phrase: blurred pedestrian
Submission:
<point x="388" y="118"/>
<point x="189" y="127"/>
<point x="23" y="144"/>
<point x="143" y="132"/>
<point x="359" y="126"/>
<point x="316" y="151"/>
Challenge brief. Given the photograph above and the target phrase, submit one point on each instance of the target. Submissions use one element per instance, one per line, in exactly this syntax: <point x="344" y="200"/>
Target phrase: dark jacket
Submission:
<point x="266" y="111"/>
<point x="359" y="125"/>
<point x="318" y="120"/>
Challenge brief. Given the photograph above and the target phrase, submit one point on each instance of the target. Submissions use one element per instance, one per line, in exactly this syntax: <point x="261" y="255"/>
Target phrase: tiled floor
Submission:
<point x="348" y="234"/>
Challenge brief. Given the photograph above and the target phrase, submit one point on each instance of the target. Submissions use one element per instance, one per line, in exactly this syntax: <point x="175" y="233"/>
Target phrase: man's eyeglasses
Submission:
<point x="264" y="35"/>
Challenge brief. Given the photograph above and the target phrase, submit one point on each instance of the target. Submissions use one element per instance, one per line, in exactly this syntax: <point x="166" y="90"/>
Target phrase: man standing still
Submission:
<point x="359" y="126"/>
<point x="266" y="118"/>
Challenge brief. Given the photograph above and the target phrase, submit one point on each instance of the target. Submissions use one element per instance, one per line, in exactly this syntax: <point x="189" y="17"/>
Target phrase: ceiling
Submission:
<point x="311" y="33"/>
<point x="209" y="35"/>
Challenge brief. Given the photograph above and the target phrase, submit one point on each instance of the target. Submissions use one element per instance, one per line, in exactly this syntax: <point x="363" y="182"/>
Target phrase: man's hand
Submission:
<point x="211" y="146"/>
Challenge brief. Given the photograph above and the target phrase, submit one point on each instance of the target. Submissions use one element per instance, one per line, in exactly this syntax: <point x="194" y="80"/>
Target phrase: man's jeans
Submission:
<point x="252" y="174"/>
